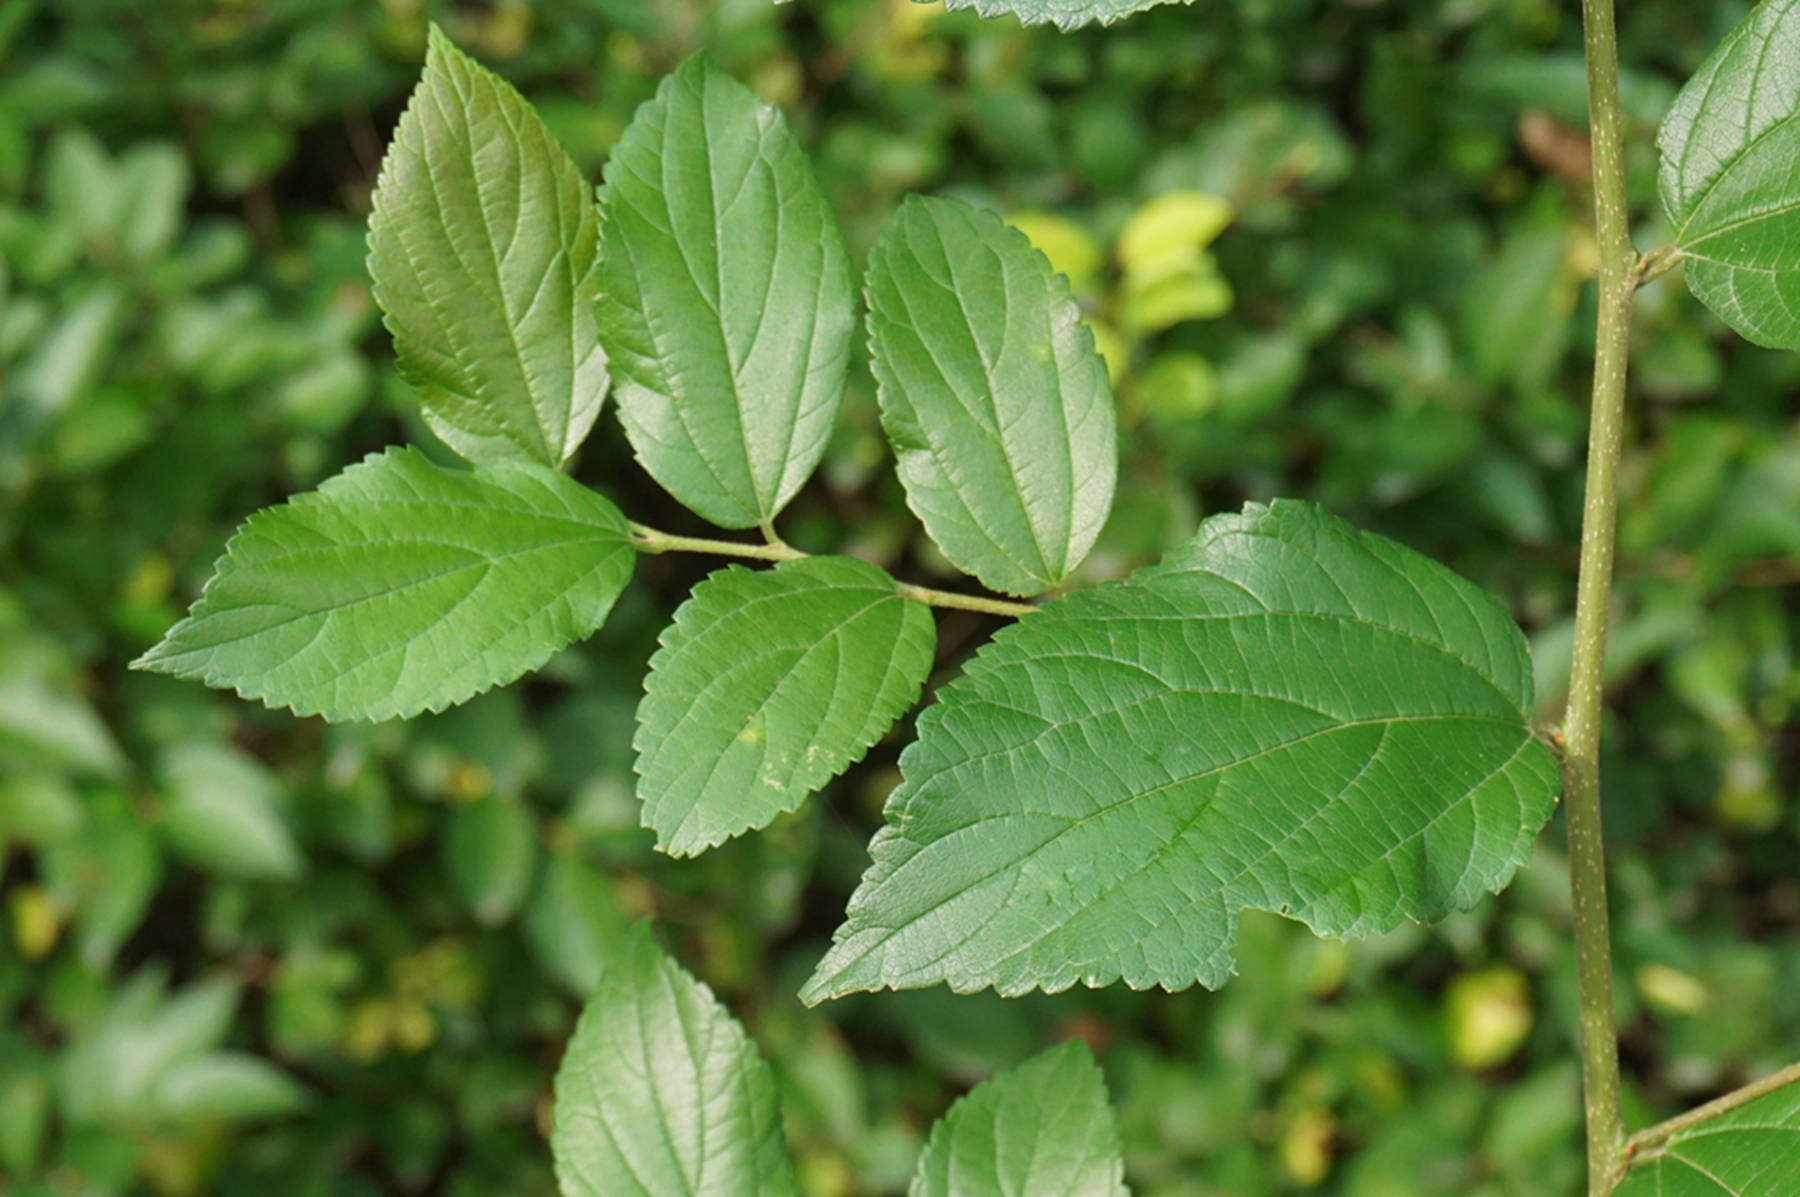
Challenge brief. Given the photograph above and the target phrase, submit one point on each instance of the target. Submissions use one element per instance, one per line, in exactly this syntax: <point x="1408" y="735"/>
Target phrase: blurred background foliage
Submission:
<point x="1331" y="248"/>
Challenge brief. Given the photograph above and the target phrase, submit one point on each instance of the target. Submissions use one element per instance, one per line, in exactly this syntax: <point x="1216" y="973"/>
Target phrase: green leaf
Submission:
<point x="1753" y="1151"/>
<point x="1728" y="179"/>
<point x="224" y="1087"/>
<point x="490" y="852"/>
<point x="221" y="814"/>
<point x="1285" y="714"/>
<point x="767" y="685"/>
<point x="1041" y="1128"/>
<point x="573" y="923"/>
<point x="483" y="245"/>
<point x="400" y="586"/>
<point x="991" y="392"/>
<point x="725" y="298"/>
<point x="661" y="1093"/>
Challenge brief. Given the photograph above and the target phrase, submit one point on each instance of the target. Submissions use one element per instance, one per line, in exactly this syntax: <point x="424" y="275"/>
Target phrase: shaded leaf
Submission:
<point x="725" y="298"/>
<point x="490" y="852"/>
<point x="768" y="684"/>
<point x="661" y="1093"/>
<point x="224" y="1087"/>
<point x="1730" y="182"/>
<point x="991" y="392"/>
<point x="483" y="245"/>
<point x="1043" y="1129"/>
<point x="220" y="813"/>
<point x="400" y="586"/>
<point x="573" y="922"/>
<point x="1284" y="714"/>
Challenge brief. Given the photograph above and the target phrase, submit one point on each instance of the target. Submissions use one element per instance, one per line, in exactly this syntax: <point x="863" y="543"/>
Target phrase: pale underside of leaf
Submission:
<point x="1064" y="14"/>
<point x="1731" y="176"/>
<point x="400" y="586"/>
<point x="726" y="298"/>
<point x="998" y="408"/>
<point x="768" y="684"/>
<point x="484" y="250"/>
<point x="1753" y="1151"/>
<point x="661" y="1094"/>
<point x="1043" y="1129"/>
<point x="1285" y="714"/>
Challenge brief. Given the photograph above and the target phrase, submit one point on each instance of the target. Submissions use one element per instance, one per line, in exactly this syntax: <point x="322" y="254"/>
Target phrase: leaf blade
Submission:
<point x="496" y="333"/>
<point x="1366" y="758"/>
<point x="726" y="302"/>
<point x="983" y="375"/>
<point x="1043" y="1127"/>
<point x="399" y="587"/>
<point x="1743" y="1153"/>
<point x="1728" y="148"/>
<point x="661" y="1093"/>
<point x="838" y="655"/>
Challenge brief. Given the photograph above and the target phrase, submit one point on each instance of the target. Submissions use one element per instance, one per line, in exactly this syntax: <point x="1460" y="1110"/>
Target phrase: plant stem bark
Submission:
<point x="649" y="540"/>
<point x="1581" y="726"/>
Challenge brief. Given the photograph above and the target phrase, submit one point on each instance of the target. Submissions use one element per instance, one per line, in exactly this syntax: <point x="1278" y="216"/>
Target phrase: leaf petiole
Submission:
<point x="649" y="540"/>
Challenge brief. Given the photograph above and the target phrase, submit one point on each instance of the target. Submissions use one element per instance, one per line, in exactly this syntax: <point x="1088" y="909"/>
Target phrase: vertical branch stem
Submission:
<point x="1581" y="725"/>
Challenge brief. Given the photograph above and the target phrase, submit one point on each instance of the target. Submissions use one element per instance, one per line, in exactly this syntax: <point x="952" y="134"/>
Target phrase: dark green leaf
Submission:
<point x="490" y="852"/>
<point x="1285" y="714"/>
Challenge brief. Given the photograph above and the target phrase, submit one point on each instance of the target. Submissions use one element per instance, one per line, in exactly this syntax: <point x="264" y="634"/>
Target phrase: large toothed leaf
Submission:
<point x="484" y="250"/>
<point x="768" y="684"/>
<point x="726" y="300"/>
<point x="1753" y="1151"/>
<point x="1043" y="1129"/>
<point x="400" y="586"/>
<point x="1284" y="714"/>
<point x="1731" y="176"/>
<point x="661" y="1094"/>
<point x="991" y="392"/>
